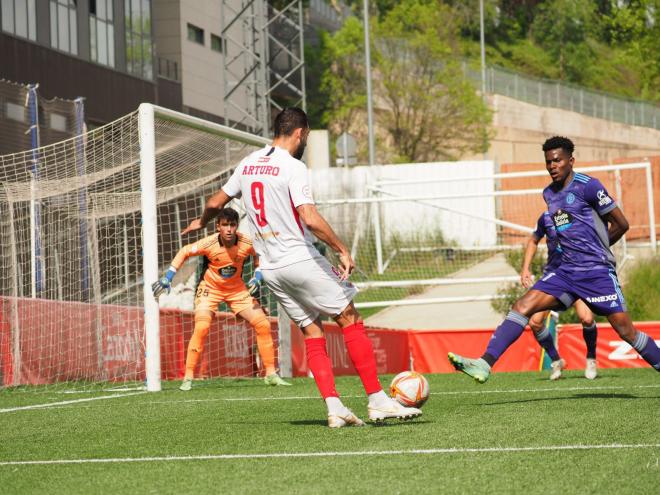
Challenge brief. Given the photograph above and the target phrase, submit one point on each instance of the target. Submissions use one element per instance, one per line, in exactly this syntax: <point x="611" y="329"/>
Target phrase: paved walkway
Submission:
<point x="478" y="314"/>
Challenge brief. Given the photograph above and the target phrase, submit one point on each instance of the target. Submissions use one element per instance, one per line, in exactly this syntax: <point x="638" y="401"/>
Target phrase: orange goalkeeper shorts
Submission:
<point x="238" y="299"/>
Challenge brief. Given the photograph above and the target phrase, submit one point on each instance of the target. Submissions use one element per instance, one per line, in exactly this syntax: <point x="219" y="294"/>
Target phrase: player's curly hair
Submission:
<point x="556" y="142"/>
<point x="288" y="120"/>
<point x="228" y="214"/>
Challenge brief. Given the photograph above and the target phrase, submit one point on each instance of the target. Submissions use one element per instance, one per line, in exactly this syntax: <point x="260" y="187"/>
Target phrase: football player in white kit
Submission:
<point x="274" y="186"/>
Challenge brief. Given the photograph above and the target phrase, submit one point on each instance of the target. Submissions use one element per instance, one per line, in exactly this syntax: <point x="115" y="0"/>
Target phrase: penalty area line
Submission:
<point x="284" y="455"/>
<point x="67" y="402"/>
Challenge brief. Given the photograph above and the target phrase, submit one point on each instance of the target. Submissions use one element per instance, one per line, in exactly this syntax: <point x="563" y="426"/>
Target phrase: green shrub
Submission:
<point x="642" y="290"/>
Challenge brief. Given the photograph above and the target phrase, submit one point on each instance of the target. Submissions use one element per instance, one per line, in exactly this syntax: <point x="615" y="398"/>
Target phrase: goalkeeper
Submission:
<point x="225" y="252"/>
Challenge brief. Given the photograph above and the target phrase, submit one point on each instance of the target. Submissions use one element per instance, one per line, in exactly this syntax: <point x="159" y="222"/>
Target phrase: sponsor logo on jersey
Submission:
<point x="562" y="220"/>
<point x="261" y="170"/>
<point x="603" y="198"/>
<point x="227" y="271"/>
<point x="307" y="192"/>
<point x="613" y="305"/>
<point x="570" y="198"/>
<point x="600" y="299"/>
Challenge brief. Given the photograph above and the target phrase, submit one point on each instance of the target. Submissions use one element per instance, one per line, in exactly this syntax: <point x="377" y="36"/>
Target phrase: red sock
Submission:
<point x="361" y="353"/>
<point x="320" y="366"/>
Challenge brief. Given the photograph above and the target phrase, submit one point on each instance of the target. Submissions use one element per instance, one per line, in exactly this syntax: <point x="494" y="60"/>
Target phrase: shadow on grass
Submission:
<point x="324" y="423"/>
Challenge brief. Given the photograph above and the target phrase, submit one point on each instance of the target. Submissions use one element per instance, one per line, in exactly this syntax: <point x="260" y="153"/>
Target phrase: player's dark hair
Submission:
<point x="288" y="120"/>
<point x="228" y="214"/>
<point x="557" y="142"/>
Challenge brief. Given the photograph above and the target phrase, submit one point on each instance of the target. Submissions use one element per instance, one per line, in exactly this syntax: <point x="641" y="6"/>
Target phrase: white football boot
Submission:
<point x="557" y="366"/>
<point x="591" y="370"/>
<point x="345" y="418"/>
<point x="392" y="409"/>
<point x="186" y="384"/>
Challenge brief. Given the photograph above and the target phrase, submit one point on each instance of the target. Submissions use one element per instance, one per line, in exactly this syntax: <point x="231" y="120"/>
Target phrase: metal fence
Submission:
<point x="551" y="93"/>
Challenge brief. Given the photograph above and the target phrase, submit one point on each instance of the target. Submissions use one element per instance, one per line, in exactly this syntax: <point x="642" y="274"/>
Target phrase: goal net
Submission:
<point x="86" y="225"/>
<point x="454" y="232"/>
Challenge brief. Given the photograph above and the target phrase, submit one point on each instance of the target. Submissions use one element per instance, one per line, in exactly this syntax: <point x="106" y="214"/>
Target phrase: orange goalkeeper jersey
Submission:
<point x="225" y="266"/>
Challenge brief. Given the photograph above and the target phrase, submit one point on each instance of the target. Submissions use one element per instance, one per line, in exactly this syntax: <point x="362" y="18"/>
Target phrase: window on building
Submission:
<point x="218" y="44"/>
<point x="64" y="25"/>
<point x="15" y="112"/>
<point x="195" y="34"/>
<point x="139" y="51"/>
<point x="19" y="17"/>
<point x="58" y="122"/>
<point x="101" y="32"/>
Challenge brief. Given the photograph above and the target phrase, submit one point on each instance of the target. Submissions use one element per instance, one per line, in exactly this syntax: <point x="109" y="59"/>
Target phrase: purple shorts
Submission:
<point x="598" y="288"/>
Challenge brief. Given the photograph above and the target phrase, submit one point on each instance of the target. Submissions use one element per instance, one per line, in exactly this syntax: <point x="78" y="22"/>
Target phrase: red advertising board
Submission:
<point x="611" y="350"/>
<point x="429" y="350"/>
<point x="67" y="341"/>
<point x="390" y="348"/>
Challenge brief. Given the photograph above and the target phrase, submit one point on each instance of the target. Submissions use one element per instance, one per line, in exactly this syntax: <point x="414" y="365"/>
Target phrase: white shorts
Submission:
<point x="308" y="289"/>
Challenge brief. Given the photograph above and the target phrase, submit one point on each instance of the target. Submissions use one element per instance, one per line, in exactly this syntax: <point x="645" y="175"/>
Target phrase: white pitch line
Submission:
<point x="457" y="392"/>
<point x="283" y="455"/>
<point x="316" y="397"/>
<point x="66" y="402"/>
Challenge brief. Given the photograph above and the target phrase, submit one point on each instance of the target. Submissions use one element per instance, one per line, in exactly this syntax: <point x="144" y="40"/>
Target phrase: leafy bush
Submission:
<point x="642" y="290"/>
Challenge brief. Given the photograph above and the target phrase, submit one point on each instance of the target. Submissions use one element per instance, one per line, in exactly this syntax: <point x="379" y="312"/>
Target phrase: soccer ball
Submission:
<point x="410" y="389"/>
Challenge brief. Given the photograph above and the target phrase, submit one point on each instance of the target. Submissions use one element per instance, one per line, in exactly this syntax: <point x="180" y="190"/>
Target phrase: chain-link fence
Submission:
<point x="551" y="93"/>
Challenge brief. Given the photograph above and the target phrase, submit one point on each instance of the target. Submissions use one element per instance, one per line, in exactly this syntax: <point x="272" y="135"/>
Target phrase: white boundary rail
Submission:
<point x="380" y="194"/>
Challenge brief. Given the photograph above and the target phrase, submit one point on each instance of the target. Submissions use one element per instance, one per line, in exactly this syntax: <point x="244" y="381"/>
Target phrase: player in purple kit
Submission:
<point x="546" y="228"/>
<point x="587" y="222"/>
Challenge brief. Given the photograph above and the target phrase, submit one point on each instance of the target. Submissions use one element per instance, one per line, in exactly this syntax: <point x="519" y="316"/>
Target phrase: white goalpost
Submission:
<point x="147" y="114"/>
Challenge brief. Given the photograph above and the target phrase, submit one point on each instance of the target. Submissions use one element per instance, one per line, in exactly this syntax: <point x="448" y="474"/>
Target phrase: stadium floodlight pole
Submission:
<point x="149" y="244"/>
<point x="482" y="44"/>
<point x="367" y="62"/>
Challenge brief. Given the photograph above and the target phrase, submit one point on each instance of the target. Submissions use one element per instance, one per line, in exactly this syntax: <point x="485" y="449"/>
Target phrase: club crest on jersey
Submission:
<point x="227" y="271"/>
<point x="603" y="198"/>
<point x="570" y="198"/>
<point x="562" y="220"/>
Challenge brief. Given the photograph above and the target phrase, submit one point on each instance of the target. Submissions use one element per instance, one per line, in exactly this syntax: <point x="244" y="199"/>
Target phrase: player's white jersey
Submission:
<point x="272" y="184"/>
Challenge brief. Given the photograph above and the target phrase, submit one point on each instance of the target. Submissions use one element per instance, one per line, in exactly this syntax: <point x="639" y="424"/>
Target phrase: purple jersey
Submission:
<point x="576" y="212"/>
<point x="546" y="228"/>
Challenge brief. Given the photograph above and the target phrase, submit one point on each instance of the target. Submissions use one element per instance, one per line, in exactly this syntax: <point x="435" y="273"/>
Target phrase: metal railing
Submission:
<point x="558" y="94"/>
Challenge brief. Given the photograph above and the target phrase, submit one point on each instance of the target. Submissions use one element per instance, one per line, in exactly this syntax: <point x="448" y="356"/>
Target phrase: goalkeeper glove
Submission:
<point x="164" y="284"/>
<point x="255" y="282"/>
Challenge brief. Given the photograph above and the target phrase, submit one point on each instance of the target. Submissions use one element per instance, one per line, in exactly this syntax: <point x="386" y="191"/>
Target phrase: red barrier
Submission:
<point x="391" y="349"/>
<point x="611" y="350"/>
<point x="429" y="350"/>
<point x="64" y="341"/>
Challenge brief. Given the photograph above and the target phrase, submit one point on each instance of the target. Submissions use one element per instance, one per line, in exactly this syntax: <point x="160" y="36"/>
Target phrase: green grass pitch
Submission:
<point x="518" y="433"/>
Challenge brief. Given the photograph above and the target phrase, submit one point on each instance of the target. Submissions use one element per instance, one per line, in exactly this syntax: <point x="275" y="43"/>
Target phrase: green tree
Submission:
<point x="562" y="28"/>
<point x="426" y="108"/>
<point x="343" y="81"/>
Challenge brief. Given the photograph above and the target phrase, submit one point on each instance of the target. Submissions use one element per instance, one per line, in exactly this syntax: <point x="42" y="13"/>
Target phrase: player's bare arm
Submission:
<point x="618" y="225"/>
<point x="213" y="205"/>
<point x="321" y="229"/>
<point x="526" y="278"/>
